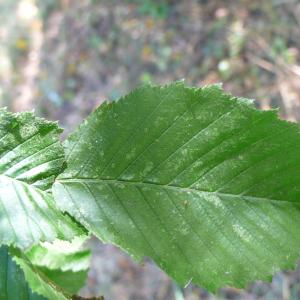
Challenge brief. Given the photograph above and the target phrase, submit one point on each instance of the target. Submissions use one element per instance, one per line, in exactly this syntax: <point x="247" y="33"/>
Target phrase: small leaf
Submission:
<point x="65" y="263"/>
<point x="200" y="181"/>
<point x="63" y="255"/>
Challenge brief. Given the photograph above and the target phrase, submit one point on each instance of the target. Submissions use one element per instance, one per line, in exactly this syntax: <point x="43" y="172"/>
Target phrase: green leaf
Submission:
<point x="200" y="181"/>
<point x="38" y="279"/>
<point x="30" y="150"/>
<point x="63" y="255"/>
<point x="31" y="156"/>
<point x="12" y="282"/>
<point x="56" y="271"/>
<point x="65" y="263"/>
<point x="71" y="282"/>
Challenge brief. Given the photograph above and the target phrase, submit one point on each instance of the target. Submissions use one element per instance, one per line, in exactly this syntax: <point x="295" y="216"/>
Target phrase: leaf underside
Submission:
<point x="31" y="156"/>
<point x="196" y="179"/>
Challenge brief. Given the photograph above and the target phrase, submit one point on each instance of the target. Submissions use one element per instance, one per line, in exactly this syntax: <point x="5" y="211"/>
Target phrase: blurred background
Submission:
<point x="63" y="58"/>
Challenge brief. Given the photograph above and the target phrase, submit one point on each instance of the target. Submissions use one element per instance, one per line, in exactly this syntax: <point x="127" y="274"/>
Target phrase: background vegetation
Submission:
<point x="63" y="58"/>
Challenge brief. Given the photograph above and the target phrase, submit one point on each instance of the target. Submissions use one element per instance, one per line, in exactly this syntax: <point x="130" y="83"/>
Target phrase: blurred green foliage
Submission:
<point x="156" y="9"/>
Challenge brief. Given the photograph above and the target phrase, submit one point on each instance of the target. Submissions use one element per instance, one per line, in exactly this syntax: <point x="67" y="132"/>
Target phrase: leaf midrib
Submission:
<point x="173" y="187"/>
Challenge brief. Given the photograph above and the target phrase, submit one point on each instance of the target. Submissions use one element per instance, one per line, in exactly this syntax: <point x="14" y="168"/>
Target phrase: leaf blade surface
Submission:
<point x="193" y="178"/>
<point x="31" y="156"/>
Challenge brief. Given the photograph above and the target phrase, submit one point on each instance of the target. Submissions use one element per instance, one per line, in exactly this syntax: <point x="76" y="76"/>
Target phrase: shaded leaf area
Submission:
<point x="193" y="178"/>
<point x="71" y="282"/>
<point x="13" y="285"/>
<point x="31" y="156"/>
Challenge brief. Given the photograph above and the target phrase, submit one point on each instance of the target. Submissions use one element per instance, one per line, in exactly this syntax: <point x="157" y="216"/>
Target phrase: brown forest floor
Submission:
<point x="63" y="58"/>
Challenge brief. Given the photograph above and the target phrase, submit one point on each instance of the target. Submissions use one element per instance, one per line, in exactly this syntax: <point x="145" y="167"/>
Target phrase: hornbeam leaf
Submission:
<point x="38" y="279"/>
<point x="202" y="182"/>
<point x="31" y="156"/>
<point x="65" y="263"/>
<point x="55" y="273"/>
<point x="63" y="255"/>
<point x="71" y="282"/>
<point x="12" y="282"/>
<point x="30" y="150"/>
